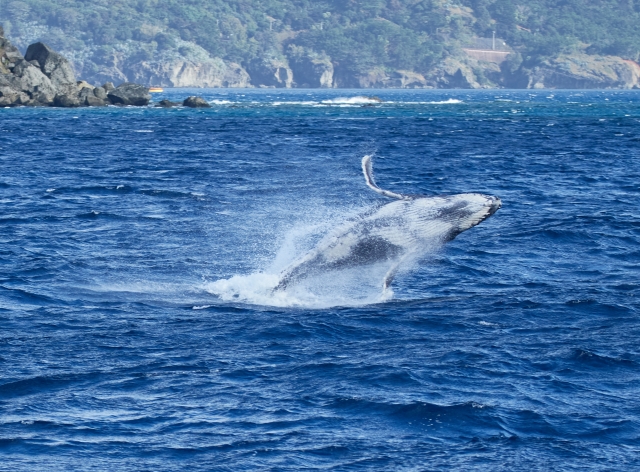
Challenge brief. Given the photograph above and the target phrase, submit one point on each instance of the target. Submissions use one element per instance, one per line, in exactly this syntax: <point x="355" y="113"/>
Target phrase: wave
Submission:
<point x="589" y="357"/>
<point x="359" y="100"/>
<point x="302" y="103"/>
<point x="450" y="101"/>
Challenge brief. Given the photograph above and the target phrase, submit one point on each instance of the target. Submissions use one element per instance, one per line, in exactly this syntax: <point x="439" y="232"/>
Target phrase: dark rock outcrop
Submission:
<point x="30" y="80"/>
<point x="66" y="101"/>
<point x="196" y="102"/>
<point x="100" y="93"/>
<point x="53" y="65"/>
<point x="130" y="94"/>
<point x="93" y="101"/>
<point x="45" y="78"/>
<point x="167" y="104"/>
<point x="9" y="54"/>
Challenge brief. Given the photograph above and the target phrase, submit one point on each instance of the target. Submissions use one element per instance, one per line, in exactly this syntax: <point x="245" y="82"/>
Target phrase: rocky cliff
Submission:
<point x="271" y="72"/>
<point x="310" y="69"/>
<point x="193" y="68"/>
<point x="43" y="73"/>
<point x="185" y="73"/>
<point x="579" y="71"/>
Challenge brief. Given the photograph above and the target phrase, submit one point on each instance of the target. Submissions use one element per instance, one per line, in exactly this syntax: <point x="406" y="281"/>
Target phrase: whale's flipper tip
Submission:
<point x="367" y="170"/>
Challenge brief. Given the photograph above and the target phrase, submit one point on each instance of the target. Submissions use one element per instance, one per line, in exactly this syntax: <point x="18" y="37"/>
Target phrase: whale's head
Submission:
<point x="466" y="210"/>
<point x="455" y="214"/>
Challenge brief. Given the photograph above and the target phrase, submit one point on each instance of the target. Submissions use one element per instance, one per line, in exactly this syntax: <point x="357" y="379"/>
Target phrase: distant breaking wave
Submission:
<point x="450" y="101"/>
<point x="357" y="101"/>
<point x="360" y="100"/>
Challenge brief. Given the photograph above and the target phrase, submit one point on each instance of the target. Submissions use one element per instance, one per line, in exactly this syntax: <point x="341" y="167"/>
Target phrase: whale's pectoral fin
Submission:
<point x="367" y="169"/>
<point x="389" y="277"/>
<point x="392" y="272"/>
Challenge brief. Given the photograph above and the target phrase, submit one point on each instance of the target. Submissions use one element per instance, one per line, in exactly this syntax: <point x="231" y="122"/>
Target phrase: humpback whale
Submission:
<point x="393" y="232"/>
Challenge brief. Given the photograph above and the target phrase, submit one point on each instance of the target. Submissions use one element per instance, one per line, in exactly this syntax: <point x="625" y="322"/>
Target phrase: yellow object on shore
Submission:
<point x="155" y="89"/>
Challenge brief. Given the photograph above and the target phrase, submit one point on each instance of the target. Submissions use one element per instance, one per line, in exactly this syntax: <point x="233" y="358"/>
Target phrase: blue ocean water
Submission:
<point x="136" y="244"/>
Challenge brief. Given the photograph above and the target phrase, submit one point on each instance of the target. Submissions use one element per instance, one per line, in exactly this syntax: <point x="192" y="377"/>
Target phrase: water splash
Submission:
<point x="330" y="289"/>
<point x="355" y="286"/>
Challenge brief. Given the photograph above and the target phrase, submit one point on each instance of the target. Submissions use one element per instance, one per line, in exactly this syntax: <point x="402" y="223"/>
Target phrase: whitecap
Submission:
<point x="450" y="101"/>
<point x="486" y="323"/>
<point x="359" y="100"/>
<point x="303" y="103"/>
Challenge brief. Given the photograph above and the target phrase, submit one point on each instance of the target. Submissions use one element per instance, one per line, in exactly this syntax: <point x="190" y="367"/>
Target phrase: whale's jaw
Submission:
<point x="496" y="204"/>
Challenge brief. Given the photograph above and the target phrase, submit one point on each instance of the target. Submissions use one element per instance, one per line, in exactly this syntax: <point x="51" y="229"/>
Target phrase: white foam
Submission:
<point x="450" y="101"/>
<point x="303" y="103"/>
<point x="334" y="288"/>
<point x="486" y="323"/>
<point x="342" y="102"/>
<point x="359" y="100"/>
<point x="351" y="287"/>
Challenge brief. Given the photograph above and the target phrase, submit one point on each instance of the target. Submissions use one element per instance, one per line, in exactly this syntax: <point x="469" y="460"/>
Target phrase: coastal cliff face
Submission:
<point x="271" y="73"/>
<point x="352" y="44"/>
<point x="380" y="78"/>
<point x="185" y="73"/>
<point x="193" y="68"/>
<point x="312" y="71"/>
<point x="580" y="71"/>
<point x="299" y="67"/>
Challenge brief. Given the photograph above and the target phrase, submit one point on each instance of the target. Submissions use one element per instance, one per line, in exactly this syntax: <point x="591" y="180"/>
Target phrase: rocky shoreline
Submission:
<point x="42" y="77"/>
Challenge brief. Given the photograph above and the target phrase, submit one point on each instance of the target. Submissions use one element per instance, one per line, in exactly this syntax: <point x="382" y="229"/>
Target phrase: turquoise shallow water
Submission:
<point x="136" y="243"/>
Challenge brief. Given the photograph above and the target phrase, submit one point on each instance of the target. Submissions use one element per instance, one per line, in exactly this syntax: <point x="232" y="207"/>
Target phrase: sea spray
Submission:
<point x="353" y="286"/>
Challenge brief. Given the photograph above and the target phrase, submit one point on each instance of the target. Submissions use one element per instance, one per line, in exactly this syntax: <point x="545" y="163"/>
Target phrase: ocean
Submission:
<point x="139" y="246"/>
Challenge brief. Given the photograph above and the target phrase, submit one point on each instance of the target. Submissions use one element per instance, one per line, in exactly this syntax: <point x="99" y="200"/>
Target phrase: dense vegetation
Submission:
<point x="359" y="34"/>
<point x="552" y="26"/>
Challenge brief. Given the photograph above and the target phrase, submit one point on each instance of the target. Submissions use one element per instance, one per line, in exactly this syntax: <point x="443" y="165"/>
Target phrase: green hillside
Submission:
<point x="356" y="37"/>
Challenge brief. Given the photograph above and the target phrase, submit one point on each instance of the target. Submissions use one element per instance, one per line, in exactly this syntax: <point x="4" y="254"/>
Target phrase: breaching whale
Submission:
<point x="394" y="232"/>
